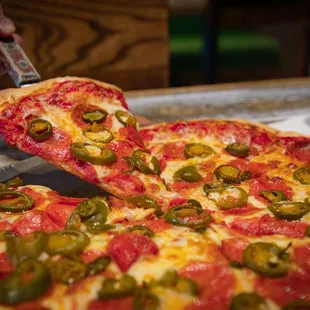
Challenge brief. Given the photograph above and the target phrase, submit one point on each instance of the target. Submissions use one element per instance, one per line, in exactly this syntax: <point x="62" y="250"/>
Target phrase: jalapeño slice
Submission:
<point x="247" y="301"/>
<point x="146" y="202"/>
<point x="302" y="175"/>
<point x="125" y="118"/>
<point x="98" y="265"/>
<point x="297" y="305"/>
<point x="14" y="182"/>
<point x="97" y="155"/>
<point x="188" y="216"/>
<point x="67" y="242"/>
<point x="289" y="210"/>
<point x="188" y="174"/>
<point x="274" y="195"/>
<point x="266" y="259"/>
<point x="197" y="150"/>
<point x="146" y="163"/>
<point x="39" y="129"/>
<point x="117" y="288"/>
<point x="145" y="300"/>
<point x="98" y="133"/>
<point x="237" y="149"/>
<point x="28" y="281"/>
<point x="87" y="209"/>
<point x="141" y="230"/>
<point x="131" y="165"/>
<point x="12" y="201"/>
<point x="68" y="271"/>
<point x="95" y="116"/>
<point x="227" y="174"/>
<point x="232" y="197"/>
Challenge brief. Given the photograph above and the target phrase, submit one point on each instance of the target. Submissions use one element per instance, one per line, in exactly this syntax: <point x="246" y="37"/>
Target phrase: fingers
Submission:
<point x="18" y="39"/>
<point x="7" y="27"/>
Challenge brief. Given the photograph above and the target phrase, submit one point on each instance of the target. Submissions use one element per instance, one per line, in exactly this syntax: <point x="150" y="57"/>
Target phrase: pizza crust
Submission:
<point x="14" y="94"/>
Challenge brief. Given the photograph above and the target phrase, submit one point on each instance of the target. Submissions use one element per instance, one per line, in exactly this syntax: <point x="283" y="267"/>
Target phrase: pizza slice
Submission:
<point x="84" y="127"/>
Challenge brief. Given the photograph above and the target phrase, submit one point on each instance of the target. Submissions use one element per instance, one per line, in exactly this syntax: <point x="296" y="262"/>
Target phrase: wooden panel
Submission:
<point x="121" y="42"/>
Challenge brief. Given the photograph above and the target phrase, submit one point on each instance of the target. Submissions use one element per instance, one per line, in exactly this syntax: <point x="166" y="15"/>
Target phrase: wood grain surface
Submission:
<point x="117" y="41"/>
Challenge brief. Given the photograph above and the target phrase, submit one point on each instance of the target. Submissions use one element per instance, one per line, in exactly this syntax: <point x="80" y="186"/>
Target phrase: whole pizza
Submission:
<point x="199" y="214"/>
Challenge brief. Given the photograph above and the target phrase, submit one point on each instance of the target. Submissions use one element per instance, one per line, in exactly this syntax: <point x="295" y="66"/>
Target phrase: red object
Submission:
<point x="59" y="213"/>
<point x="173" y="151"/>
<point x="34" y="221"/>
<point x="69" y="201"/>
<point x="91" y="255"/>
<point x="302" y="257"/>
<point x="300" y="150"/>
<point x="247" y="209"/>
<point x="267" y="225"/>
<point x="216" y="285"/>
<point x="284" y="290"/>
<point x="5" y="225"/>
<point x="233" y="248"/>
<point x="37" y="197"/>
<point x="111" y="304"/>
<point x="126" y="248"/>
<point x="130" y="132"/>
<point x="5" y="266"/>
<point x="154" y="225"/>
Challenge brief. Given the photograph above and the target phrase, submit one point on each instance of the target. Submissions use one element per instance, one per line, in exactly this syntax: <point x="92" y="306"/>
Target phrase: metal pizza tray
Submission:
<point x="260" y="102"/>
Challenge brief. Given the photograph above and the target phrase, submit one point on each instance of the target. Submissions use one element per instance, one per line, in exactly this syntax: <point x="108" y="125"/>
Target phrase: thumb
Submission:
<point x="7" y="27"/>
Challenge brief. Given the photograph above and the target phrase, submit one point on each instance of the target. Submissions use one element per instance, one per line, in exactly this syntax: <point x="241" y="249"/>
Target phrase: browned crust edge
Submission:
<point x="241" y="121"/>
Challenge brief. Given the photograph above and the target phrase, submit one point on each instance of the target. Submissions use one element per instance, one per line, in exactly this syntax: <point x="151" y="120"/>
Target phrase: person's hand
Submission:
<point x="7" y="27"/>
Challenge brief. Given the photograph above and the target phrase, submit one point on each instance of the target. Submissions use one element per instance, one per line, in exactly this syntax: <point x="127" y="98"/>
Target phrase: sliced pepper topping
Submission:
<point x="274" y="195"/>
<point x="39" y="129"/>
<point x="67" y="242"/>
<point x="266" y="259"/>
<point x="243" y="176"/>
<point x="117" y="288"/>
<point x="232" y="197"/>
<point x="169" y="278"/>
<point x="247" y="301"/>
<point x="141" y="230"/>
<point x="28" y="281"/>
<point x="145" y="300"/>
<point x="87" y="209"/>
<point x="188" y="174"/>
<point x="289" y="210"/>
<point x="302" y="175"/>
<point x="237" y="149"/>
<point x="98" y="133"/>
<point x="74" y="221"/>
<point x="213" y="188"/>
<point x="20" y="248"/>
<point x="68" y="271"/>
<point x="146" y="163"/>
<point x="188" y="216"/>
<point x="197" y="150"/>
<point x="297" y="305"/>
<point x="131" y="165"/>
<point x="227" y="174"/>
<point x="97" y="155"/>
<point x="146" y="202"/>
<point x="125" y="118"/>
<point x="12" y="201"/>
<point x="95" y="116"/>
<point x="98" y="265"/>
<point x="194" y="203"/>
<point x="14" y="182"/>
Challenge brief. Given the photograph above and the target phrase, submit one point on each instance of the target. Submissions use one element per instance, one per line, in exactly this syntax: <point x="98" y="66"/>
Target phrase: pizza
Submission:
<point x="225" y="227"/>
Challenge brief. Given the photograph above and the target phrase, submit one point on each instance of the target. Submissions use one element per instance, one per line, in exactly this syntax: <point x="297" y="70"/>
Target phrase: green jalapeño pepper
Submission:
<point x="39" y="129"/>
<point x="146" y="163"/>
<point x="213" y="188"/>
<point x="98" y="265"/>
<point x="98" y="133"/>
<point x="141" y="230"/>
<point x="227" y="174"/>
<point x="197" y="150"/>
<point x="194" y="203"/>
<point x="14" y="182"/>
<point x="125" y="118"/>
<point x="297" y="305"/>
<point x="188" y="216"/>
<point x="232" y="197"/>
<point x="237" y="149"/>
<point x="274" y="195"/>
<point x="117" y="288"/>
<point x="20" y="248"/>
<point x="266" y="259"/>
<point x="97" y="155"/>
<point x="289" y="210"/>
<point x="68" y="271"/>
<point x="145" y="300"/>
<point x="146" y="202"/>
<point x="95" y="116"/>
<point x="87" y="209"/>
<point x="67" y="242"/>
<point x="12" y="201"/>
<point x="74" y="221"/>
<point x="188" y="174"/>
<point x="131" y="165"/>
<point x="302" y="175"/>
<point x="28" y="281"/>
<point x="247" y="301"/>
